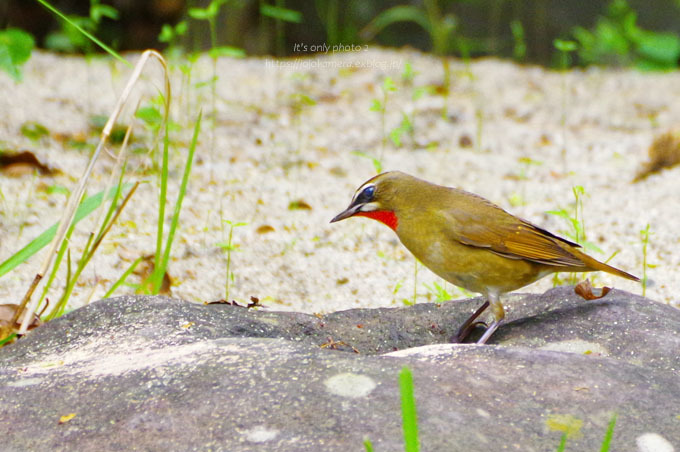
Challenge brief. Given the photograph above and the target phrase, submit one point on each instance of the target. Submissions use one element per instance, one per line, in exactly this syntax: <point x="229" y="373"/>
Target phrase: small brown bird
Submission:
<point x="467" y="240"/>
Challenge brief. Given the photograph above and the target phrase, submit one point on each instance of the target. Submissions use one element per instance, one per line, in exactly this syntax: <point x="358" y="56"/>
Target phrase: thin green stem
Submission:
<point x="123" y="277"/>
<point x="178" y="204"/>
<point x="157" y="276"/>
<point x="109" y="50"/>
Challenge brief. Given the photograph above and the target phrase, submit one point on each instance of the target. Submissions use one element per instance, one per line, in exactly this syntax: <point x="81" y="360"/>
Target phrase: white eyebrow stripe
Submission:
<point x="360" y="190"/>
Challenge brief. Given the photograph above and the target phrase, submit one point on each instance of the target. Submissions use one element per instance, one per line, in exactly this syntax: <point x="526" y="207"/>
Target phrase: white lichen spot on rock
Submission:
<point x="577" y="346"/>
<point x="25" y="382"/>
<point x="483" y="413"/>
<point x="260" y="434"/>
<point x="350" y="385"/>
<point x="653" y="442"/>
<point x="427" y="351"/>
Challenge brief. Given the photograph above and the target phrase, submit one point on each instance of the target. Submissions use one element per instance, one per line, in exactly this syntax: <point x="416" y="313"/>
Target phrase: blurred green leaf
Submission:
<point x="235" y="224"/>
<point x="617" y="39"/>
<point x="200" y="13"/>
<point x="15" y="49"/>
<point x="404" y="127"/>
<point x="150" y="115"/>
<point x="408" y="74"/>
<point x="395" y="136"/>
<point x="225" y="246"/>
<point x="519" y="49"/>
<point x="206" y="13"/>
<point x="663" y="49"/>
<point x="58" y="189"/>
<point x="376" y="105"/>
<point x="34" y="130"/>
<point x="377" y="164"/>
<point x="388" y="85"/>
<point x="394" y="15"/>
<point x="564" y="46"/>
<point x="181" y="28"/>
<point x="302" y="100"/>
<point x="279" y="13"/>
<point x="70" y="38"/>
<point x="227" y="51"/>
<point x="167" y="33"/>
<point x="98" y="11"/>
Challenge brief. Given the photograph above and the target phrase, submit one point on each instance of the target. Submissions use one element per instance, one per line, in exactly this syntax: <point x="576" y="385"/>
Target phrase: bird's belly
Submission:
<point x="476" y="269"/>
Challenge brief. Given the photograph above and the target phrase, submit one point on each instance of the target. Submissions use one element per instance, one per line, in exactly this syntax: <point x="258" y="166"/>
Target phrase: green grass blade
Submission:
<point x="368" y="445"/>
<point x="156" y="278"/>
<point x="408" y="411"/>
<point x="608" y="434"/>
<point x="112" y="206"/>
<point x="178" y="204"/>
<point x="563" y="443"/>
<point x="92" y="245"/>
<point x="86" y="207"/>
<point x="123" y="277"/>
<point x="109" y="50"/>
<point x="55" y="268"/>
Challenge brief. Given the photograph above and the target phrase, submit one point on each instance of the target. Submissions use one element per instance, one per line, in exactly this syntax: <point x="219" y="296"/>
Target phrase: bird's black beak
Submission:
<point x="348" y="212"/>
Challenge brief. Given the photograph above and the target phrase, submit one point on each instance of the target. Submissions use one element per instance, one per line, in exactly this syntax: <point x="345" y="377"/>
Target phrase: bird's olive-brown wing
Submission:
<point x="477" y="222"/>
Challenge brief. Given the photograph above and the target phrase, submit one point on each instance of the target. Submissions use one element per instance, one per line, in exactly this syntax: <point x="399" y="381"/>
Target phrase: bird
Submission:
<point x="468" y="241"/>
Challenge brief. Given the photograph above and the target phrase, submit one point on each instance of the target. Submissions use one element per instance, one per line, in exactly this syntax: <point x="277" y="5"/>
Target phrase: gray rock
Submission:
<point x="151" y="373"/>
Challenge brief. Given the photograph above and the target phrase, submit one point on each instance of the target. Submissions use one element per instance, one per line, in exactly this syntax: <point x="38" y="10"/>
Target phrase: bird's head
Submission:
<point x="379" y="198"/>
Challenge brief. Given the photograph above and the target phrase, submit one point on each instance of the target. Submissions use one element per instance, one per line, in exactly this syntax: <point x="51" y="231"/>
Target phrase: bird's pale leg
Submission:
<point x="498" y="317"/>
<point x="469" y="325"/>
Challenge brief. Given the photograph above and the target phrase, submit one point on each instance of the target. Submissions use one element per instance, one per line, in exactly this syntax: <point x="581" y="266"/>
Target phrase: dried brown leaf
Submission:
<point x="585" y="290"/>
<point x="7" y="312"/>
<point x="663" y="153"/>
<point x="264" y="229"/>
<point x="17" y="164"/>
<point x="299" y="205"/>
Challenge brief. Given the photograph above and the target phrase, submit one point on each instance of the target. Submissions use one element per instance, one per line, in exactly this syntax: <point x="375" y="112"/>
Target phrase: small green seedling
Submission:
<point x="228" y="247"/>
<point x="440" y="293"/>
<point x="210" y="14"/>
<point x="380" y="106"/>
<point x="644" y="237"/>
<point x="170" y="35"/>
<point x="575" y="220"/>
<point x="576" y="227"/>
<point x="405" y="127"/>
<point x="377" y="163"/>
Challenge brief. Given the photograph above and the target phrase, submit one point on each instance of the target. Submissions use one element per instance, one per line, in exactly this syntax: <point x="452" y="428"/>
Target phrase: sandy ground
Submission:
<point x="268" y="153"/>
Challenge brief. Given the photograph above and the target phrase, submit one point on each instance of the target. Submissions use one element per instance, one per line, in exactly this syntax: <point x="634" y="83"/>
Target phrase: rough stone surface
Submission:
<point x="145" y="373"/>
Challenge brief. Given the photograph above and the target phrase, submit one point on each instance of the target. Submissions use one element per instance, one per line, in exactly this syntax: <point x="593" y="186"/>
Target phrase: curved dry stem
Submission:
<point x="77" y="194"/>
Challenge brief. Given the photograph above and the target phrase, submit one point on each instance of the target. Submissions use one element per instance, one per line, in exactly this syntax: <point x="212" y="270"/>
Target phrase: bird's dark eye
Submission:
<point x="366" y="195"/>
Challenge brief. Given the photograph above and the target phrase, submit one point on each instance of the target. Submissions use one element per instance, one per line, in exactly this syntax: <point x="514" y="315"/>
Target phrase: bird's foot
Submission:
<point x="469" y="325"/>
<point x="489" y="331"/>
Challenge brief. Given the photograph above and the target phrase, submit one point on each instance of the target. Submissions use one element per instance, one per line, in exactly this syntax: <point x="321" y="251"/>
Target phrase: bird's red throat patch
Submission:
<point x="384" y="216"/>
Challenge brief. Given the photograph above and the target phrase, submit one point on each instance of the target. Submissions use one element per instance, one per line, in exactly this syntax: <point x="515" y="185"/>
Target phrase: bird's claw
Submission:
<point x="469" y="325"/>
